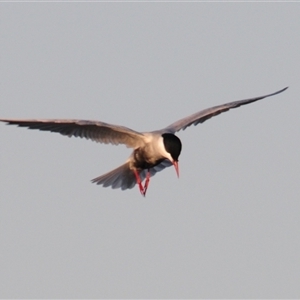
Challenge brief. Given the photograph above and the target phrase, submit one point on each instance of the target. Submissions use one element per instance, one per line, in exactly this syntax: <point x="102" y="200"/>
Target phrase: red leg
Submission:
<point x="146" y="182"/>
<point x="138" y="181"/>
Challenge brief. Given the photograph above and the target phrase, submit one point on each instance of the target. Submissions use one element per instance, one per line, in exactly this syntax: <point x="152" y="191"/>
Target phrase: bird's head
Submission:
<point x="173" y="146"/>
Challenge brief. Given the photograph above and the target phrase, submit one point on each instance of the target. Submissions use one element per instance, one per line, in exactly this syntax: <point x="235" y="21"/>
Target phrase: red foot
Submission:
<point x="146" y="182"/>
<point x="139" y="182"/>
<point x="143" y="190"/>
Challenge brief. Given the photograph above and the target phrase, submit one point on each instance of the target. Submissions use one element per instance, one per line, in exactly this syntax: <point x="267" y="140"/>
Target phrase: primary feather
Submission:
<point x="94" y="130"/>
<point x="206" y="114"/>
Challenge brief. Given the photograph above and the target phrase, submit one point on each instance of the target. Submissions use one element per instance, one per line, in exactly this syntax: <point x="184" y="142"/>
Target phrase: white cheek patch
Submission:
<point x="169" y="157"/>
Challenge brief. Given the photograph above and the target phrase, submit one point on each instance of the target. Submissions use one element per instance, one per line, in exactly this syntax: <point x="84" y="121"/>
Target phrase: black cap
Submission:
<point x="172" y="145"/>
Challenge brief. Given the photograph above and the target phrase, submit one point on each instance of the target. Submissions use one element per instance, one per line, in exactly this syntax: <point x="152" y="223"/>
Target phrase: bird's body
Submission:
<point x="152" y="151"/>
<point x="143" y="162"/>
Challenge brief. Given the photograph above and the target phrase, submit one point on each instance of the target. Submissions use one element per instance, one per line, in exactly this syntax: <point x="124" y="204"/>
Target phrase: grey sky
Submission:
<point x="229" y="227"/>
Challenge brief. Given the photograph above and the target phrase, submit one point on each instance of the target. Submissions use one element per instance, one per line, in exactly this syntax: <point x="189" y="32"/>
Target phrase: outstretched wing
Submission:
<point x="94" y="130"/>
<point x="206" y="114"/>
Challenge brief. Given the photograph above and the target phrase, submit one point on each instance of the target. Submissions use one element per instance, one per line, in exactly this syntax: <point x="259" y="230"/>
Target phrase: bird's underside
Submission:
<point x="127" y="176"/>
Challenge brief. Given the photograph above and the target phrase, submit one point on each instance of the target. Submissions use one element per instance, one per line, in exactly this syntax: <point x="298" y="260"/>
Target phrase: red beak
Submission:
<point x="175" y="163"/>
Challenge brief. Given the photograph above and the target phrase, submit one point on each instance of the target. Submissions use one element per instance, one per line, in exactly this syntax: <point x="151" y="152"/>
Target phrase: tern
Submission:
<point x="152" y="151"/>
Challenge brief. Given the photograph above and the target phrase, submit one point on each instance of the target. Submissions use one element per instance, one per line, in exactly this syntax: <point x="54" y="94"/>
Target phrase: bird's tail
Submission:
<point x="121" y="177"/>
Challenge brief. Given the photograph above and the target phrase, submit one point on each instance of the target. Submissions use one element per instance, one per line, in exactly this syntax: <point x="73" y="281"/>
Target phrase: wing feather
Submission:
<point x="206" y="114"/>
<point x="93" y="130"/>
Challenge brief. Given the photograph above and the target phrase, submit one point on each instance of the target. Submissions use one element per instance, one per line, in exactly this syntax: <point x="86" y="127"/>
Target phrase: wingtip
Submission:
<point x="280" y="91"/>
<point x="4" y="121"/>
<point x="9" y="121"/>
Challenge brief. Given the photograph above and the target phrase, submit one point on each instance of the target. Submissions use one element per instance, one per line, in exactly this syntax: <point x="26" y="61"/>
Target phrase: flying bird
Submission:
<point x="152" y="151"/>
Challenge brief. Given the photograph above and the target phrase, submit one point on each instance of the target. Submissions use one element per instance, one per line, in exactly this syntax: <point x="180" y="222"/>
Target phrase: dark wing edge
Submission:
<point x="94" y="130"/>
<point x="206" y="114"/>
